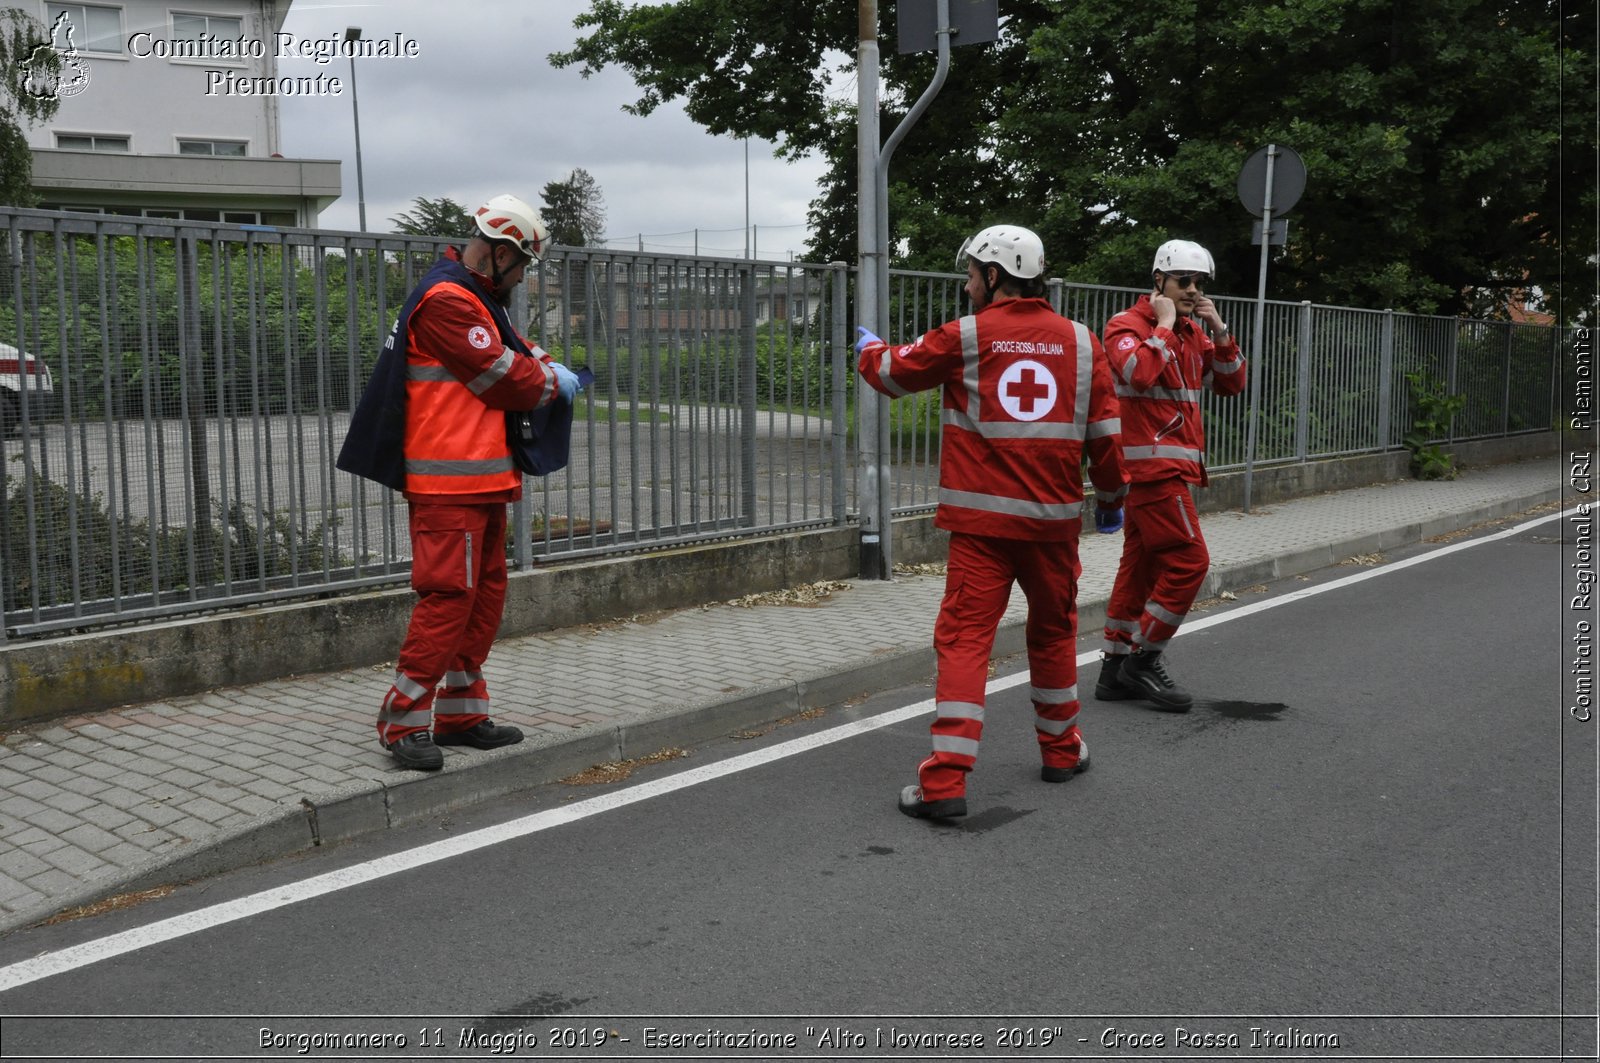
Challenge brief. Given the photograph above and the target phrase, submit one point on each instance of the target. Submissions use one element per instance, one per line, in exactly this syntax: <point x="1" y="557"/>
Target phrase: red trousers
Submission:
<point x="1164" y="563"/>
<point x="458" y="569"/>
<point x="977" y="588"/>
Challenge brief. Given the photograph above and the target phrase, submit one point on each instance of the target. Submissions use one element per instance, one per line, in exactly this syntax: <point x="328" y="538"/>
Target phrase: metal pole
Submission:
<point x="1302" y="419"/>
<point x="881" y="196"/>
<point x="871" y="406"/>
<point x="1261" y="326"/>
<point x="353" y="33"/>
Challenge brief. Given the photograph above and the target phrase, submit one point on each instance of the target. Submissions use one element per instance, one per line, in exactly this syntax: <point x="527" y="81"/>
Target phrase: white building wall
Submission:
<point x="154" y="101"/>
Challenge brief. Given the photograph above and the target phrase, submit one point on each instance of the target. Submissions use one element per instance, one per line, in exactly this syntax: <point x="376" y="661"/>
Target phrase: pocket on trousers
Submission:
<point x="441" y="557"/>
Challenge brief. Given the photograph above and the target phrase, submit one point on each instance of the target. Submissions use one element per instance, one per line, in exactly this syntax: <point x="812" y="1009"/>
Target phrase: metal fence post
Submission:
<point x="1302" y="414"/>
<point x="1386" y="382"/>
<point x="841" y="359"/>
<point x="1455" y="358"/>
<point x="1505" y="406"/>
<point x="747" y="399"/>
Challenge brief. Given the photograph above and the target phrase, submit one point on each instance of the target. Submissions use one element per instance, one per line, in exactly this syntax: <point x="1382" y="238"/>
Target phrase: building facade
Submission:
<point x="169" y="109"/>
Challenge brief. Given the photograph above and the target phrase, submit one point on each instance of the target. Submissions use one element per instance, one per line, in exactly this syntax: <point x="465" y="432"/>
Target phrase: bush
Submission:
<point x="1433" y="410"/>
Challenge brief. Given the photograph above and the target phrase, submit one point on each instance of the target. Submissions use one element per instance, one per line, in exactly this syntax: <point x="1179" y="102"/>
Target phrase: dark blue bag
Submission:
<point x="541" y="440"/>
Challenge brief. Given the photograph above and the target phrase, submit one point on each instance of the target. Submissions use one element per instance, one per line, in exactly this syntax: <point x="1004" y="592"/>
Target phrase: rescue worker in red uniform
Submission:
<point x="1162" y="359"/>
<point x="1024" y="392"/>
<point x="433" y="423"/>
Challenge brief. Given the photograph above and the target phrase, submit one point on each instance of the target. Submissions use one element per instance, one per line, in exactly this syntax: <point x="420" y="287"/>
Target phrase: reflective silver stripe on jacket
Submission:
<point x="969" y="367"/>
<point x="494" y="374"/>
<point x="884" y="362"/>
<point x="1108" y="427"/>
<point x="1126" y="391"/>
<point x="1227" y="368"/>
<point x="1159" y="344"/>
<point x="1085" y="367"/>
<point x="435" y="374"/>
<point x="1011" y="429"/>
<point x="478" y="467"/>
<point x="1154" y="453"/>
<point x="1011" y="507"/>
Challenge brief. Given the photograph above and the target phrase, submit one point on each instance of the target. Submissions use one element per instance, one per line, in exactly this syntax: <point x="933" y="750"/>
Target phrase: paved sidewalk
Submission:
<point x="128" y="799"/>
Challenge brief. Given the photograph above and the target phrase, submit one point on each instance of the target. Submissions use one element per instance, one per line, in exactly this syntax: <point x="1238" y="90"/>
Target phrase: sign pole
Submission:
<point x="1260" y="330"/>
<point x="871" y="407"/>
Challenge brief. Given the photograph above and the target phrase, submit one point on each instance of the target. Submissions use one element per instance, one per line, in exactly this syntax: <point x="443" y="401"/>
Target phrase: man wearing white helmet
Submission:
<point x="1025" y="392"/>
<point x="432" y="423"/>
<point x="1162" y="359"/>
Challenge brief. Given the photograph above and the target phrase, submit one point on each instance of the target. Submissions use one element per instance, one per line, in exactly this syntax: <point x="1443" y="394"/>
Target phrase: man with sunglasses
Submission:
<point x="1162" y="358"/>
<point x="432" y="423"/>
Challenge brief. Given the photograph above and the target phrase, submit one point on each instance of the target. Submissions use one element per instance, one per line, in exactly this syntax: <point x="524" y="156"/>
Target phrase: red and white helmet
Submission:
<point x="505" y="217"/>
<point x="1183" y="256"/>
<point x="1014" y="249"/>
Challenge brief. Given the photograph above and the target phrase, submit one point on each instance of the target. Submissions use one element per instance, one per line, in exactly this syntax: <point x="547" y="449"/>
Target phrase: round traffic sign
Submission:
<point x="1288" y="180"/>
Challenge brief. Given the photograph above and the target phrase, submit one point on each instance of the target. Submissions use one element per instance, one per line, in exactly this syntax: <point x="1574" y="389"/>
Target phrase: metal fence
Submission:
<point x="178" y="455"/>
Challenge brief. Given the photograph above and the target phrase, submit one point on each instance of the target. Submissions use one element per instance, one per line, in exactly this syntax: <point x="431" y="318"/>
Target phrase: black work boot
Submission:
<point x="912" y="804"/>
<point x="416" y="750"/>
<point x="1110" y="687"/>
<point x="1049" y="774"/>
<point x="1145" y="675"/>
<point x="486" y="734"/>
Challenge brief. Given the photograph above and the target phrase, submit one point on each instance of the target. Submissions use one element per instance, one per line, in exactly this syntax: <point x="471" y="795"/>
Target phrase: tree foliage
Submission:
<point x="27" y="67"/>
<point x="434" y="217"/>
<point x="575" y="210"/>
<point x="1445" y="172"/>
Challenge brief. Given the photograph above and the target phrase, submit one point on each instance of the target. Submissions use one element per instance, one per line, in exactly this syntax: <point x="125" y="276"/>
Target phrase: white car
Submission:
<point x="16" y="371"/>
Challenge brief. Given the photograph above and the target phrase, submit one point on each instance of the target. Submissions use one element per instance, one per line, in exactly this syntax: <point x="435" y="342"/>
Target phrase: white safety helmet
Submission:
<point x="1014" y="249"/>
<point x="506" y="217"/>
<point x="1183" y="256"/>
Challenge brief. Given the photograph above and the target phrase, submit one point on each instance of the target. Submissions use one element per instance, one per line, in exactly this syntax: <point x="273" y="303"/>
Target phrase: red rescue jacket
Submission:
<point x="460" y="380"/>
<point x="1159" y="374"/>
<point x="1025" y="391"/>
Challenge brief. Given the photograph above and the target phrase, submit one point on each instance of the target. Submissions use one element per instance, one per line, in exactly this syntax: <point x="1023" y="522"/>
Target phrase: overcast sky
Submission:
<point x="461" y="121"/>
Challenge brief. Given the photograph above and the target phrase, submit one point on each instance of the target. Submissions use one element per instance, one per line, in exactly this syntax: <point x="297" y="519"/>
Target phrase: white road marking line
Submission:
<point x="90" y="952"/>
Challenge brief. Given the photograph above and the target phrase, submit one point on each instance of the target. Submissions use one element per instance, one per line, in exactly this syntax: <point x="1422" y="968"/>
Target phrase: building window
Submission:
<point x="211" y="147"/>
<point x="205" y="27"/>
<point x="90" y="142"/>
<point x="95" y="28"/>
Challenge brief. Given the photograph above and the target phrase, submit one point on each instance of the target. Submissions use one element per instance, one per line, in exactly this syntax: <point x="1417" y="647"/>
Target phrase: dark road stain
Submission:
<point x="541" y="1006"/>
<point x="1248" y="710"/>
<point x="878" y="850"/>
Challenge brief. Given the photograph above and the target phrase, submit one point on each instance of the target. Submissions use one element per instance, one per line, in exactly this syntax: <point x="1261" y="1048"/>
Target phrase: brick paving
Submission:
<point x="94" y="805"/>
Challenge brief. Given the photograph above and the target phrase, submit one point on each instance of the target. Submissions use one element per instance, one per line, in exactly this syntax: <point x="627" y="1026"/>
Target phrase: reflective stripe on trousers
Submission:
<point x="978" y="583"/>
<point x="1164" y="565"/>
<point x="458" y="571"/>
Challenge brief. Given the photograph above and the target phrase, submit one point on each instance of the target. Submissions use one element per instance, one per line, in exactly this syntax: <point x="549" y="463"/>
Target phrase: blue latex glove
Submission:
<point x="566" y="381"/>
<point x="1107" y="519"/>
<point x="866" y="339"/>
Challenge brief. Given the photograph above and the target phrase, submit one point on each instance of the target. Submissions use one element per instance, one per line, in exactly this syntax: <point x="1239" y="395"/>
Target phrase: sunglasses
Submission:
<point x="1198" y="280"/>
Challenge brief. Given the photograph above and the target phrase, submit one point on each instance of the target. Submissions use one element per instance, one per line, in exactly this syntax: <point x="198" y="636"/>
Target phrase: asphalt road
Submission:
<point x="1357" y="836"/>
